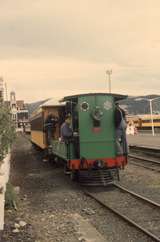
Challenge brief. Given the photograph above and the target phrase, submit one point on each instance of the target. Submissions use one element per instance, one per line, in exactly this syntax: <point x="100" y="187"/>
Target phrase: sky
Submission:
<point x="53" y="48"/>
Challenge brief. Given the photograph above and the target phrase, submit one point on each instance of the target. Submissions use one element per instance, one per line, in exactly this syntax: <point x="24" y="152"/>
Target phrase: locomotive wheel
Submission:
<point x="52" y="159"/>
<point x="74" y="175"/>
<point x="118" y="176"/>
<point x="67" y="171"/>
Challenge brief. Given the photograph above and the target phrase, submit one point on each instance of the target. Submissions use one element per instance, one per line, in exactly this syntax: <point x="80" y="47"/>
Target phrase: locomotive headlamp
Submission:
<point x="99" y="164"/>
<point x="84" y="106"/>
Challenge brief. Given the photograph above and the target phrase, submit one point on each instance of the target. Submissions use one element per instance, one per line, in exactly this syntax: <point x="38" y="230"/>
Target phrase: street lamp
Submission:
<point x="109" y="73"/>
<point x="151" y="110"/>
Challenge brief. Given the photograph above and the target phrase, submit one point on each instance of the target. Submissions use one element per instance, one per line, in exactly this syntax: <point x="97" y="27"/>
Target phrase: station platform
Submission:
<point x="144" y="140"/>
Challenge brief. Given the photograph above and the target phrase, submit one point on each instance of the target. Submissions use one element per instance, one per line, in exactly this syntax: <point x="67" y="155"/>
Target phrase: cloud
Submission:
<point x="49" y="45"/>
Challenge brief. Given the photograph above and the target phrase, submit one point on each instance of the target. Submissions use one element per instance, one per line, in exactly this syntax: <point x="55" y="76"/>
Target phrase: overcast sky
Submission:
<point x="56" y="47"/>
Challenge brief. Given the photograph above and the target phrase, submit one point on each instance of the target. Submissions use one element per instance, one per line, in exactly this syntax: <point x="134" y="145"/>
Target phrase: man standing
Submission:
<point x="50" y="126"/>
<point x="66" y="135"/>
<point x="66" y="131"/>
<point x="121" y="125"/>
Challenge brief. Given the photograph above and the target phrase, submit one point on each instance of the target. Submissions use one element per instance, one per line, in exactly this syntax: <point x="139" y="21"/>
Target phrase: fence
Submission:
<point x="7" y="135"/>
<point x="4" y="177"/>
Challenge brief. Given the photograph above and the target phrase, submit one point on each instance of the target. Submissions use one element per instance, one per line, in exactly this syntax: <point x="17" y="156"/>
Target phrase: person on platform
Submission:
<point x="121" y="125"/>
<point x="50" y="127"/>
<point x="66" y="130"/>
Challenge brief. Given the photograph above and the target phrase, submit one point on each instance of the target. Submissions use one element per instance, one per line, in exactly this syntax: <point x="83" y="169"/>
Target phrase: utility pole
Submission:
<point x="6" y="90"/>
<point x="1" y="90"/>
<point x="151" y="112"/>
<point x="109" y="73"/>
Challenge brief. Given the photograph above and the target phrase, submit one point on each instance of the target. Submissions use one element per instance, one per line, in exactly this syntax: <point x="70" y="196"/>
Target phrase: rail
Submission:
<point x="144" y="159"/>
<point x="124" y="217"/>
<point x="137" y="195"/>
<point x="147" y="163"/>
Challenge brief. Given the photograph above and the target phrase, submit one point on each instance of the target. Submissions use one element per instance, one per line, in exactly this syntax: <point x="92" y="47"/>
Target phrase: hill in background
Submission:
<point x="139" y="105"/>
<point x="33" y="106"/>
<point x="133" y="105"/>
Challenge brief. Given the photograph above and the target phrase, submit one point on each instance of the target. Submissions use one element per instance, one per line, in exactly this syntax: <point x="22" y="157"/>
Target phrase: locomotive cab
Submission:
<point x="93" y="145"/>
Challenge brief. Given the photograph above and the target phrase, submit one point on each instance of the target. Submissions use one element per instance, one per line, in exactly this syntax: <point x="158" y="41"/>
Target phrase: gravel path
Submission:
<point x="48" y="200"/>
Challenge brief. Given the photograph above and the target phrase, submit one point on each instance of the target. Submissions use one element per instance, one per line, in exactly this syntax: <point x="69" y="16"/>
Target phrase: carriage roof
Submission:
<point x="52" y="102"/>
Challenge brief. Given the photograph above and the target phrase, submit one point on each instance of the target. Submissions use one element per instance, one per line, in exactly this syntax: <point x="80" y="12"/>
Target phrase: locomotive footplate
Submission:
<point x="98" y="177"/>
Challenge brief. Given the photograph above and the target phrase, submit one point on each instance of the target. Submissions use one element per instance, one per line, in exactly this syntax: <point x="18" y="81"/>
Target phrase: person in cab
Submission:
<point x="66" y="130"/>
<point x="50" y="127"/>
<point x="121" y="125"/>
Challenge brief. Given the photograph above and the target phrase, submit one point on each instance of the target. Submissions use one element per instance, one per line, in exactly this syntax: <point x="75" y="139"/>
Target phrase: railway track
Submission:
<point x="148" y="163"/>
<point x="149" y="151"/>
<point x="136" y="210"/>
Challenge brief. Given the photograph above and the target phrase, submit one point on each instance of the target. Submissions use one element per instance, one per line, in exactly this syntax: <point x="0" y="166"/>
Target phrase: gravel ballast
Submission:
<point x="48" y="201"/>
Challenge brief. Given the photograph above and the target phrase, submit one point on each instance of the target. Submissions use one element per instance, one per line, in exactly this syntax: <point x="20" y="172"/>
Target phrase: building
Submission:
<point x="13" y="107"/>
<point x="19" y="112"/>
